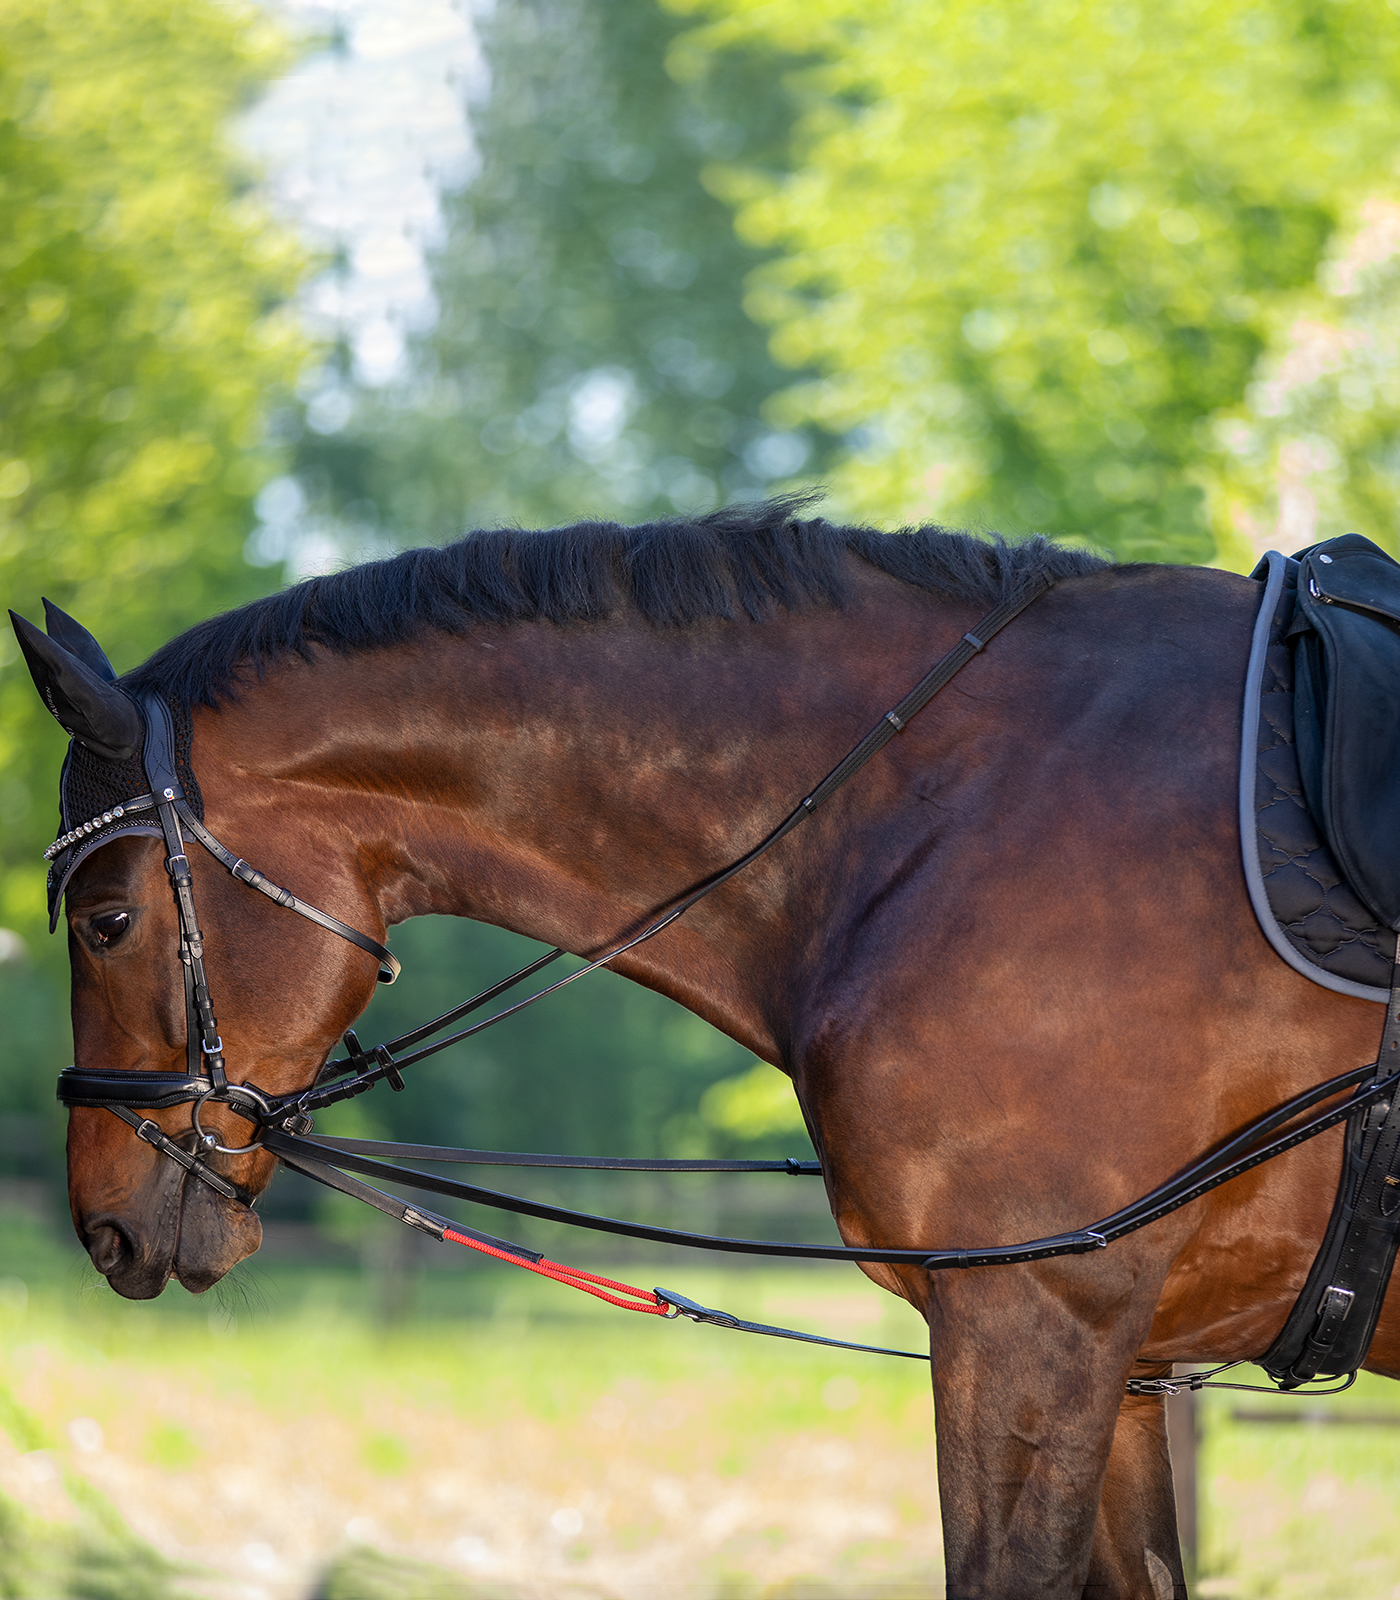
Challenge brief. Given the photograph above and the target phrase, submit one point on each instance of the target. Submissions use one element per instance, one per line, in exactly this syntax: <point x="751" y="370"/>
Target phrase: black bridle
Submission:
<point x="206" y="1080"/>
<point x="284" y="1121"/>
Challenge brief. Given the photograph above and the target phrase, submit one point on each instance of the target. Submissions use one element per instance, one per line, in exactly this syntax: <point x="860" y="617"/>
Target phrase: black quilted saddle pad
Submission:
<point x="1305" y="906"/>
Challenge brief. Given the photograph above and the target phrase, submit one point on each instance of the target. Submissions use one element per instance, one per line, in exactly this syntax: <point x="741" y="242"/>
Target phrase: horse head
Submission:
<point x="142" y="1217"/>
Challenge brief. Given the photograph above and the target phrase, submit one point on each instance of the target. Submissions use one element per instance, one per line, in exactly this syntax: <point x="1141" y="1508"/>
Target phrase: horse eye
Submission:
<point x="110" y="926"/>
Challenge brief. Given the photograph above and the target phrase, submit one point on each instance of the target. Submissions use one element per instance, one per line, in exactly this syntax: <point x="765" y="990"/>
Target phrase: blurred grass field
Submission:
<point x="508" y="1440"/>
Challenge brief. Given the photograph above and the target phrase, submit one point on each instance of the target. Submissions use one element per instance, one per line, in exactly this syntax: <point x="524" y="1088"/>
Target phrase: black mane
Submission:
<point x="742" y="561"/>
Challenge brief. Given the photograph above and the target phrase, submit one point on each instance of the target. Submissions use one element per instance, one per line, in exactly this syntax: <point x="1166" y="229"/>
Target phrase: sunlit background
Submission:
<point x="285" y="287"/>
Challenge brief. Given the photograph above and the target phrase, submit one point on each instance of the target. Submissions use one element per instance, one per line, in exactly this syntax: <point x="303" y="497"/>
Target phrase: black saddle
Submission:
<point x="1320" y="779"/>
<point x="1319" y="808"/>
<point x="1346" y="710"/>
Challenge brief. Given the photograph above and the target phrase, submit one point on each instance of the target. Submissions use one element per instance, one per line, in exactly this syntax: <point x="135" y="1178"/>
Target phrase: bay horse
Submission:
<point x="1011" y="969"/>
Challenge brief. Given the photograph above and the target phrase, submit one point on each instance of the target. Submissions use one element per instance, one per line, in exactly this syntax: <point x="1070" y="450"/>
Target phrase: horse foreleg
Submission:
<point x="1027" y="1395"/>
<point x="1136" y="1550"/>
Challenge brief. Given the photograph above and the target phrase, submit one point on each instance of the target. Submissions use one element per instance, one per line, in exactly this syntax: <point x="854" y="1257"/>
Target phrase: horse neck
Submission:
<point x="567" y="782"/>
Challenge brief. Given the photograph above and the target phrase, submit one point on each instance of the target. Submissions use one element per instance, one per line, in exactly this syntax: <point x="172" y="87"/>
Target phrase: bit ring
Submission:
<point x="226" y="1099"/>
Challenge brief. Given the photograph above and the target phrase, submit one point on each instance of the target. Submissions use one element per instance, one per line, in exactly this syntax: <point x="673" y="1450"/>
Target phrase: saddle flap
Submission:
<point x="1347" y="710"/>
<point x="1353" y="573"/>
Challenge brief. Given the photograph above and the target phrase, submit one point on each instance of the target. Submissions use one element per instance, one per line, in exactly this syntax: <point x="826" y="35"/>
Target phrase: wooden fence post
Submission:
<point x="1183" y="1440"/>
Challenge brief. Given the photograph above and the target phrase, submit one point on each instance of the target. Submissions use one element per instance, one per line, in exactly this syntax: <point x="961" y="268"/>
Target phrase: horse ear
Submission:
<point x="94" y="711"/>
<point x="75" y="638"/>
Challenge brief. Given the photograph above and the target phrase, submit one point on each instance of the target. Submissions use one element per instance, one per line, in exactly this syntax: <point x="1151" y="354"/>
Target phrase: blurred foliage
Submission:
<point x="753" y="1104"/>
<point x="1036" y="250"/>
<point x="91" y="1556"/>
<point x="37" y="1042"/>
<point x="144" y="333"/>
<point x="1314" y="451"/>
<point x="365" y="1574"/>
<point x="592" y="356"/>
<point x="605" y="1067"/>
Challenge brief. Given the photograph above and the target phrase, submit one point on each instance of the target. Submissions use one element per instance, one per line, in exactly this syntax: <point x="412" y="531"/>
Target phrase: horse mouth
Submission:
<point x="189" y="1233"/>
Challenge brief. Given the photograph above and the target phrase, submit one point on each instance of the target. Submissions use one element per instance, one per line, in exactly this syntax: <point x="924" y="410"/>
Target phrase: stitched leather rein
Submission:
<point x="283" y="1121"/>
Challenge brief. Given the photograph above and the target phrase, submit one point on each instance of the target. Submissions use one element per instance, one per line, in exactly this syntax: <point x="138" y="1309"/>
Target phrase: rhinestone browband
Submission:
<point x="142" y="802"/>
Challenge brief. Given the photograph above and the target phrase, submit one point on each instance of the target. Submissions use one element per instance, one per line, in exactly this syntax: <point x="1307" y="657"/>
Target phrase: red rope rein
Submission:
<point x="643" y="1300"/>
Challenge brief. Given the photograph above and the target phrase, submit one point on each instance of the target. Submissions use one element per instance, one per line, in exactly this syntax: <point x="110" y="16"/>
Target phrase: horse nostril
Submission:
<point x="108" y="1248"/>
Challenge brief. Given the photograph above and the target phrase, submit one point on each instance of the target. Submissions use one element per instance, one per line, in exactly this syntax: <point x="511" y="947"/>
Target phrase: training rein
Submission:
<point x="283" y="1123"/>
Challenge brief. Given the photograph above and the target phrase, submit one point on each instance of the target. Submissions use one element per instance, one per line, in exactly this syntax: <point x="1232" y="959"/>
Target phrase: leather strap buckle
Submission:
<point x="1332" y="1312"/>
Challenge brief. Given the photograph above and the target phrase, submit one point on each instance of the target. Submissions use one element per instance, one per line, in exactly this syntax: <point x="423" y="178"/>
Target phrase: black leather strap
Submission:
<point x="145" y="1129"/>
<point x="389" y="967"/>
<point x="413" y="1216"/>
<point x="940" y="674"/>
<point x="1329" y="1330"/>
<point x="382" y="1149"/>
<point x="435" y="1226"/>
<point x="203" y="1044"/>
<point x="1236" y="1156"/>
<point x="151" y="1091"/>
<point x="285" y="1146"/>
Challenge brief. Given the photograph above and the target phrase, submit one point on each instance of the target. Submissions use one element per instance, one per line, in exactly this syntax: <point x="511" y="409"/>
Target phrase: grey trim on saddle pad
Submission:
<point x="1305" y="907"/>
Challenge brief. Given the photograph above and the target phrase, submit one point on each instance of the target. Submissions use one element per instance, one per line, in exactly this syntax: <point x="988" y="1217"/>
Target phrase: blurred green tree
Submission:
<point x="145" y="332"/>
<point x="591" y="355"/>
<point x="603" y="1067"/>
<point x="1035" y="250"/>
<point x="144" y="336"/>
<point x="1312" y="450"/>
